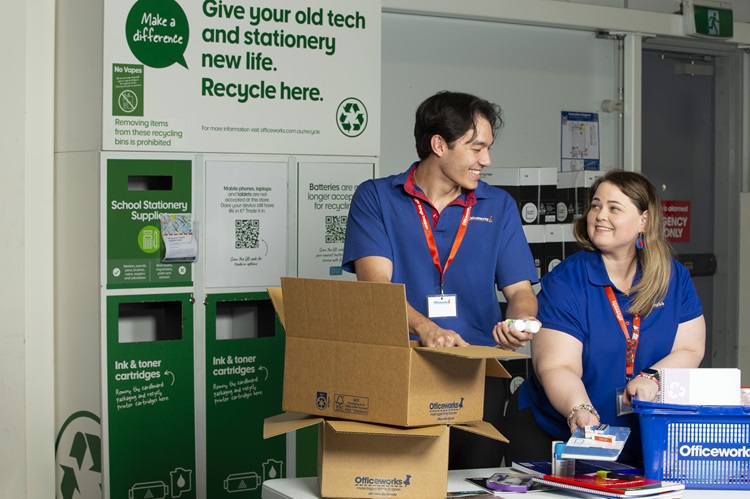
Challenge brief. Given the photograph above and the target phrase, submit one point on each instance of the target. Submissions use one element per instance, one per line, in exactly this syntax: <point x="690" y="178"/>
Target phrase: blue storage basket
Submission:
<point x="704" y="447"/>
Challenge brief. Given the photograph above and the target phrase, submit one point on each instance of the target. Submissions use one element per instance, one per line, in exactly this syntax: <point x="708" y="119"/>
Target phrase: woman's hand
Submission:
<point x="642" y="387"/>
<point x="581" y="418"/>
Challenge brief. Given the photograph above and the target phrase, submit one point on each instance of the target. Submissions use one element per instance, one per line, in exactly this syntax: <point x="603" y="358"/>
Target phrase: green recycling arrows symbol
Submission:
<point x="83" y="443"/>
<point x="351" y="117"/>
<point x="78" y="451"/>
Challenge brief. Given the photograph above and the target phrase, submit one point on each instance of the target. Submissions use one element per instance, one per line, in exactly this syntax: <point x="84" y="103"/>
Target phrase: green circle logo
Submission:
<point x="149" y="239"/>
<point x="351" y="117"/>
<point x="158" y="33"/>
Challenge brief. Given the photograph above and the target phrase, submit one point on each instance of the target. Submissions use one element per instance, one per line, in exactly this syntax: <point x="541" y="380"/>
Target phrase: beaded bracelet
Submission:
<point x="652" y="377"/>
<point x="582" y="407"/>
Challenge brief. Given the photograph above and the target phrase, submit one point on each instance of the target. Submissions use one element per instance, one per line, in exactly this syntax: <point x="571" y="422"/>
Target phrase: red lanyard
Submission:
<point x="431" y="239"/>
<point x="632" y="340"/>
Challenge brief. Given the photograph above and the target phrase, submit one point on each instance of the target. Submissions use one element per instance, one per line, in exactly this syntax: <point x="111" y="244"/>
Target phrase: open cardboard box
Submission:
<point x="358" y="459"/>
<point x="348" y="356"/>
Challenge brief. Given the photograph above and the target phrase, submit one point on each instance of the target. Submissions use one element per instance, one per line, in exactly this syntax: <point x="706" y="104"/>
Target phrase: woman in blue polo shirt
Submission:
<point x="612" y="315"/>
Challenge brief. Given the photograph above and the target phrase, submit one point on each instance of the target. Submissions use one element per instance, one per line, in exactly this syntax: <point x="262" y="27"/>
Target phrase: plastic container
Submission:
<point x="704" y="447"/>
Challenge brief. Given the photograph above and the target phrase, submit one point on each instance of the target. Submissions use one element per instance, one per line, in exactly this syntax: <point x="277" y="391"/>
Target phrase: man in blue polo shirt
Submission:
<point x="452" y="240"/>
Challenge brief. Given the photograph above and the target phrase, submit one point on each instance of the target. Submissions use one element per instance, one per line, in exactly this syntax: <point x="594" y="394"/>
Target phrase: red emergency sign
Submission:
<point x="676" y="221"/>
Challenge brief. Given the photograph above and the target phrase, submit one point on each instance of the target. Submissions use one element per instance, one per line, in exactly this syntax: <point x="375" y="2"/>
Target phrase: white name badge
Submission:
<point x="441" y="306"/>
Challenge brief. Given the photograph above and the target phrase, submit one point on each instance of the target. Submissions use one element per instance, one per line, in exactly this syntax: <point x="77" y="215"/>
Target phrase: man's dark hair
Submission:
<point x="451" y="115"/>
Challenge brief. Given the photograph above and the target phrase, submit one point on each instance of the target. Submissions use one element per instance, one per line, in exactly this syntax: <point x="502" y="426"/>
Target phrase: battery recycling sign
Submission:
<point x="242" y="76"/>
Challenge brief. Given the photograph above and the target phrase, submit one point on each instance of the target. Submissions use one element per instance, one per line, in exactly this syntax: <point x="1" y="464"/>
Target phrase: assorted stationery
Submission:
<point x="612" y="485"/>
<point x="602" y="442"/>
<point x="582" y="467"/>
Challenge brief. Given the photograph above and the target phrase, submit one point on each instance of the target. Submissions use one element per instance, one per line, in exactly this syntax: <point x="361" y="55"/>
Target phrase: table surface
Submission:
<point x="307" y="488"/>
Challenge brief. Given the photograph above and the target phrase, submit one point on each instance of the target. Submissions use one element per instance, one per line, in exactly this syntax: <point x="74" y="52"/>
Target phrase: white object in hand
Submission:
<point x="522" y="325"/>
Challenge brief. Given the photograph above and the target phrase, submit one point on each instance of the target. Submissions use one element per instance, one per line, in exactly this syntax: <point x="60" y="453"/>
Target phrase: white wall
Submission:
<point x="26" y="231"/>
<point x="12" y="303"/>
<point x="533" y="73"/>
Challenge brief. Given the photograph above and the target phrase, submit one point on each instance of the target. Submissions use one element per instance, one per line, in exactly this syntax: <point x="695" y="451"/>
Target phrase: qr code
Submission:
<point x="246" y="234"/>
<point x="335" y="229"/>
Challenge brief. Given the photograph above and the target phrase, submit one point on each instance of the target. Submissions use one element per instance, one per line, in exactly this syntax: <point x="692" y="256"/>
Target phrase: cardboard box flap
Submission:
<point x="356" y="427"/>
<point x="493" y="355"/>
<point x="372" y="313"/>
<point x="495" y="369"/>
<point x="278" y="303"/>
<point x="482" y="428"/>
<point x="476" y="352"/>
<point x="286" y="422"/>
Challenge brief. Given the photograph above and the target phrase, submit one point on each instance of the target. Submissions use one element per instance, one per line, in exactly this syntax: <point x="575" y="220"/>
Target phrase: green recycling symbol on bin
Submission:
<point x="78" y="457"/>
<point x="351" y="117"/>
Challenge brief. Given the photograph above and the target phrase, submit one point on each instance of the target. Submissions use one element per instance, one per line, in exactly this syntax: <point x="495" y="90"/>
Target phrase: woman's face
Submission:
<point x="614" y="222"/>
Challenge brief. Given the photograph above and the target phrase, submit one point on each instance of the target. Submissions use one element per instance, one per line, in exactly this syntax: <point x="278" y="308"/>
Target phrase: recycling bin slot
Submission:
<point x="149" y="182"/>
<point x="152" y="321"/>
<point x="245" y="319"/>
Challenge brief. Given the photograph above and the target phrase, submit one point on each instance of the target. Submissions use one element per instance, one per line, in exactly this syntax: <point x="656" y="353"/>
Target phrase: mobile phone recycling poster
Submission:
<point x="291" y="77"/>
<point x="246" y="240"/>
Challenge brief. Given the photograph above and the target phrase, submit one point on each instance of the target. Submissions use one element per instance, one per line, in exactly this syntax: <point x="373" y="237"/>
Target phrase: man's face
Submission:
<point x="470" y="154"/>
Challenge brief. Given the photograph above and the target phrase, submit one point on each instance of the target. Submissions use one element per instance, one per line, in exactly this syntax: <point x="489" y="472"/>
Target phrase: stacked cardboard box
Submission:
<point x="384" y="404"/>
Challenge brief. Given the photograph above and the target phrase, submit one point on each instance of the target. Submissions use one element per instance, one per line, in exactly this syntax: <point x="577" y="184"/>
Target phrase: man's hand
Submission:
<point x="522" y="304"/>
<point x="439" y="337"/>
<point x="509" y="337"/>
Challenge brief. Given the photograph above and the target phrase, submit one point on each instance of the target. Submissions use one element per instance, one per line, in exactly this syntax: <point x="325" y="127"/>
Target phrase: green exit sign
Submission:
<point x="707" y="19"/>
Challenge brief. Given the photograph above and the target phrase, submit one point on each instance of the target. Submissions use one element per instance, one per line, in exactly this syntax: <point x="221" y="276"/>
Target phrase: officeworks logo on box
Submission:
<point x="381" y="485"/>
<point x="702" y="451"/>
<point x="446" y="411"/>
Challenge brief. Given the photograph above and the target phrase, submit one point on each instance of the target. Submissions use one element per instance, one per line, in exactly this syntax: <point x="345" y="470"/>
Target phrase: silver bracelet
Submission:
<point x="582" y="407"/>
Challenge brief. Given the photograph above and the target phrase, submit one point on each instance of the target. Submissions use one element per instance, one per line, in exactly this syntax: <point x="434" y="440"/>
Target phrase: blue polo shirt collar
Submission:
<point x="406" y="180"/>
<point x="598" y="273"/>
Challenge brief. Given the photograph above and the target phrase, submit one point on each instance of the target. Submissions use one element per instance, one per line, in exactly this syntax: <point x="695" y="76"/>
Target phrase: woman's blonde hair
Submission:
<point x="656" y="256"/>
